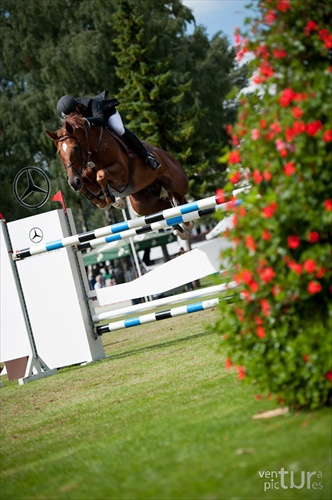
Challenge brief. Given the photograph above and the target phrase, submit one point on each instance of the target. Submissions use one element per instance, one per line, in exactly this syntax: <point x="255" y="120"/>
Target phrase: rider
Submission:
<point x="99" y="111"/>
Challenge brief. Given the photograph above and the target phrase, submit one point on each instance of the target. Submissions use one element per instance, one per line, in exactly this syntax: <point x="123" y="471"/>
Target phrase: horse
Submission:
<point x="104" y="170"/>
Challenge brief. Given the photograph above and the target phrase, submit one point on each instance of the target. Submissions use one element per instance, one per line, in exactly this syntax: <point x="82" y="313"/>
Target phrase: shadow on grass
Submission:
<point x="162" y="345"/>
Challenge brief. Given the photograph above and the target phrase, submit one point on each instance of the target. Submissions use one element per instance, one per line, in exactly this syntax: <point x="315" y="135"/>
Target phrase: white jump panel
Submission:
<point x="14" y="340"/>
<point x="54" y="293"/>
<point x="190" y="266"/>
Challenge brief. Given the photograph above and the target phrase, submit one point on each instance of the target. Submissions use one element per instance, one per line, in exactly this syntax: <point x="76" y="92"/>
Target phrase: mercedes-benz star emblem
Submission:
<point x="32" y="182"/>
<point x="36" y="235"/>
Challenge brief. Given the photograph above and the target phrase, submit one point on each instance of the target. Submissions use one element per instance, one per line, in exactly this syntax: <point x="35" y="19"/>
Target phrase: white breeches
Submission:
<point x="115" y="123"/>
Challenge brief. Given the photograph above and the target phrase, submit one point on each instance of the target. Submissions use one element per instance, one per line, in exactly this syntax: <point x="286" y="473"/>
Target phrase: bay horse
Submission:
<point x="103" y="169"/>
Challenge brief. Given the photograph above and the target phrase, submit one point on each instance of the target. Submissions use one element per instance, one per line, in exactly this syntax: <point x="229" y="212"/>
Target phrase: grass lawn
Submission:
<point x="160" y="418"/>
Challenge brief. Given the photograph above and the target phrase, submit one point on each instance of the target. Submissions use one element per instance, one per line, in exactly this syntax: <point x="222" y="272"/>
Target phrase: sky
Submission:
<point x="215" y="15"/>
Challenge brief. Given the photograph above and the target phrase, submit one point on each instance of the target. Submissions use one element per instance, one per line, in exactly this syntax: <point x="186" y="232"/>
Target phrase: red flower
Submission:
<point x="235" y="178"/>
<point x="314" y="127"/>
<point x="326" y="37"/>
<point x="328" y="205"/>
<point x="311" y="25"/>
<point x="296" y="268"/>
<point x="275" y="127"/>
<point x="266" y="69"/>
<point x="229" y="129"/>
<point x="257" y="176"/>
<point x="260" y="332"/>
<point x="293" y="241"/>
<point x="257" y="79"/>
<point x="269" y="210"/>
<point x="220" y="197"/>
<point x="240" y="315"/>
<point x="320" y="273"/>
<point x="297" y="112"/>
<point x="228" y="364"/>
<point x="250" y="243"/>
<point x="266" y="274"/>
<point x="300" y="97"/>
<point x="270" y="17"/>
<point x="313" y="237"/>
<point x="328" y="376"/>
<point x="287" y="96"/>
<point x="279" y="53"/>
<point x="309" y="265"/>
<point x="259" y="397"/>
<point x="327" y="137"/>
<point x="283" y="153"/>
<point x="289" y="168"/>
<point x="246" y="276"/>
<point x="298" y="128"/>
<point x="240" y="372"/>
<point x="289" y="134"/>
<point x="241" y="211"/>
<point x="314" y="287"/>
<point x="234" y="157"/>
<point x="266" y="310"/>
<point x="253" y="285"/>
<point x="306" y="357"/>
<point x="283" y="5"/>
<point x="267" y="175"/>
<point x="255" y="133"/>
<point x="262" y="123"/>
<point x="266" y="235"/>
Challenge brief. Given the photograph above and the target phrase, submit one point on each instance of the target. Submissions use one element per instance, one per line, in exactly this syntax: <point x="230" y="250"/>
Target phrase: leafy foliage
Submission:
<point x="279" y="327"/>
<point x="172" y="87"/>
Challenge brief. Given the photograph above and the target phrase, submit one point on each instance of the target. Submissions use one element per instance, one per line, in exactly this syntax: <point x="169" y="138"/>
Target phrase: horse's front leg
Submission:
<point x="104" y="177"/>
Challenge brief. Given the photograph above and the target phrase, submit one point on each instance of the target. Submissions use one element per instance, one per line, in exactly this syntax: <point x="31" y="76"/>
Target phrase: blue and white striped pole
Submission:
<point x="157" y="316"/>
<point x="165" y="218"/>
<point x="162" y="224"/>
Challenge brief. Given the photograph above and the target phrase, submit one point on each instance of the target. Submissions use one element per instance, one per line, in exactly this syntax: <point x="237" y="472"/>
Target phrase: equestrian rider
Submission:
<point x="98" y="112"/>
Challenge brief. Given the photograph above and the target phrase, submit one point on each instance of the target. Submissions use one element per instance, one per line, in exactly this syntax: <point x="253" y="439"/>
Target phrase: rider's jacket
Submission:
<point x="97" y="109"/>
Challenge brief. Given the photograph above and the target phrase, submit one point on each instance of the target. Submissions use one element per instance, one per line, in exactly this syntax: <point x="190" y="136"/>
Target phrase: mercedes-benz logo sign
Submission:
<point x="36" y="235"/>
<point x="31" y="182"/>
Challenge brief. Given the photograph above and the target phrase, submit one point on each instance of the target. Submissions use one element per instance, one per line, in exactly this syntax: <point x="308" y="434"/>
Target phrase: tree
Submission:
<point x="278" y="329"/>
<point x="63" y="50"/>
<point x="172" y="87"/>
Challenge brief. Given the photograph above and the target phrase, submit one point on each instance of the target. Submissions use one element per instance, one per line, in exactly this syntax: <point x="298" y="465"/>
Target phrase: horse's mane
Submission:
<point x="75" y="120"/>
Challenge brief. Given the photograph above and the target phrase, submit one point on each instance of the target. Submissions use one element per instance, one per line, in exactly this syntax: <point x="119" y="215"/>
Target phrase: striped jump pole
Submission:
<point x="153" y="304"/>
<point x="157" y="316"/>
<point x="170" y="214"/>
<point x="161" y="224"/>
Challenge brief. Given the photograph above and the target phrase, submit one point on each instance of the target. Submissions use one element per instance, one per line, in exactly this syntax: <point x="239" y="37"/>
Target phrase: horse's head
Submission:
<point x="72" y="147"/>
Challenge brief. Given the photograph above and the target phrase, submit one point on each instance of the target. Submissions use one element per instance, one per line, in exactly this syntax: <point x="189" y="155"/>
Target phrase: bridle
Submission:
<point x="82" y="149"/>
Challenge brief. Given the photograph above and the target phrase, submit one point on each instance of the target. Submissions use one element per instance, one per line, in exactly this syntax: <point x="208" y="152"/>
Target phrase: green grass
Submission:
<point x="159" y="419"/>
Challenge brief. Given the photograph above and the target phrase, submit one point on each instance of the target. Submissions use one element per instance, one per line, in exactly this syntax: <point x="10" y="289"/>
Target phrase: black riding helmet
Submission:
<point x="66" y="105"/>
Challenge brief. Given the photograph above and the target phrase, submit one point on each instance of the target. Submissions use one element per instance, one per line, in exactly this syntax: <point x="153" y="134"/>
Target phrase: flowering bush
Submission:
<point x="278" y="328"/>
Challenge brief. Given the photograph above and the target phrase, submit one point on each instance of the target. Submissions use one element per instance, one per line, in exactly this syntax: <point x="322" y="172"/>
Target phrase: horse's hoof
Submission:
<point x="189" y="225"/>
<point x="182" y="233"/>
<point x="119" y="203"/>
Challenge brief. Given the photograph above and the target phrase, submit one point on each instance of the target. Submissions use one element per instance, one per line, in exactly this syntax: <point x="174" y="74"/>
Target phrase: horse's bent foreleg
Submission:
<point x="107" y="193"/>
<point x="182" y="230"/>
<point x="95" y="200"/>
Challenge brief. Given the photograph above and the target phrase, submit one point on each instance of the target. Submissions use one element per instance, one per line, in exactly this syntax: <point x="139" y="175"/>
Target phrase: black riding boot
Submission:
<point x="135" y="144"/>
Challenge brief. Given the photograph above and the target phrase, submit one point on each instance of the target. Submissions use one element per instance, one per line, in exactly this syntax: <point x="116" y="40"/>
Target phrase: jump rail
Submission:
<point x="153" y="304"/>
<point x="155" y="226"/>
<point x="168" y="217"/>
<point x="157" y="316"/>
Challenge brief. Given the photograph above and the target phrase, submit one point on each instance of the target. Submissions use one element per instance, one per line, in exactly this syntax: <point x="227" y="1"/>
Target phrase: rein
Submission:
<point x="82" y="148"/>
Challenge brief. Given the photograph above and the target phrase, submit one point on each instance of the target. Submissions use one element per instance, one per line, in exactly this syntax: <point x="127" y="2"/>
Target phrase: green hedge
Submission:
<point x="278" y="329"/>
